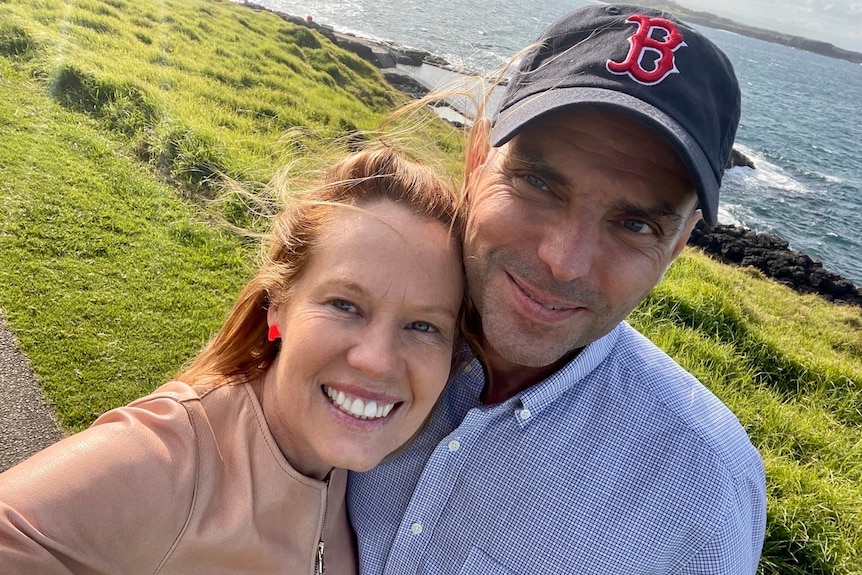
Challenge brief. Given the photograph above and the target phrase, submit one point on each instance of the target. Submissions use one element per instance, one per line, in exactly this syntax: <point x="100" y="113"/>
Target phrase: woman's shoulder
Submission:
<point x="117" y="493"/>
<point x="182" y="404"/>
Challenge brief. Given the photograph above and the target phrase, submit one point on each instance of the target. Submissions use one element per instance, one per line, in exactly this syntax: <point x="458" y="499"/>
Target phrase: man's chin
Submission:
<point x="528" y="351"/>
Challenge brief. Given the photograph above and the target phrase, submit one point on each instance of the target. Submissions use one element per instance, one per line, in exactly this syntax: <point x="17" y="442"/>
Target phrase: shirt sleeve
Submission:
<point x="737" y="542"/>
<point x="111" y="499"/>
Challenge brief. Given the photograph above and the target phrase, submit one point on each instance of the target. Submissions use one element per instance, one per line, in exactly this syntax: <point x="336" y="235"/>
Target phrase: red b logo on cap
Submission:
<point x="642" y="42"/>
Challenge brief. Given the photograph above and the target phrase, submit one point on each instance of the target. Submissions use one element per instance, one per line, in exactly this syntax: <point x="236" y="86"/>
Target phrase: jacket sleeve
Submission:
<point x="111" y="499"/>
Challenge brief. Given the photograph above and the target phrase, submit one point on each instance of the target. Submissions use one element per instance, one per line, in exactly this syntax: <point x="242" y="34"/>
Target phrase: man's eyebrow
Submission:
<point x="532" y="159"/>
<point x="663" y="212"/>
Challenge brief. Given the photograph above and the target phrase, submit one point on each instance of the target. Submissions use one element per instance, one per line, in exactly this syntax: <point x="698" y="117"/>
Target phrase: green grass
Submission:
<point x="109" y="279"/>
<point x="117" y="119"/>
<point x="199" y="88"/>
<point x="789" y="367"/>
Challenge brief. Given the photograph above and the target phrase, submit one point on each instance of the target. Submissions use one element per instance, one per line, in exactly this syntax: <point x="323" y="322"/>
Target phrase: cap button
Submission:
<point x="614" y="10"/>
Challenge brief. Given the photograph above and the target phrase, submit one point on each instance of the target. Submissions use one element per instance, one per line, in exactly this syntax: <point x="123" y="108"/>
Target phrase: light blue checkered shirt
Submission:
<point x="621" y="463"/>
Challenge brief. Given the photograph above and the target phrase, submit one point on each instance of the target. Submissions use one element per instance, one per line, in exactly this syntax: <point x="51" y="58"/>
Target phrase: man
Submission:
<point x="580" y="447"/>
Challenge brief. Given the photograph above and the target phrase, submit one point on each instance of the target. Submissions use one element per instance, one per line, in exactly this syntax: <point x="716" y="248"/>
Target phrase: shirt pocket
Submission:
<point x="480" y="563"/>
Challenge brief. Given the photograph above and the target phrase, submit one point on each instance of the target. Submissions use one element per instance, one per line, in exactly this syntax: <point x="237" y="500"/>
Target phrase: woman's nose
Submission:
<point x="376" y="352"/>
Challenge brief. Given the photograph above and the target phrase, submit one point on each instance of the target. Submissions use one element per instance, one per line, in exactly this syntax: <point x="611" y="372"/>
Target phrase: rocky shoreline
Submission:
<point x="385" y="56"/>
<point x="732" y="245"/>
<point x="772" y="255"/>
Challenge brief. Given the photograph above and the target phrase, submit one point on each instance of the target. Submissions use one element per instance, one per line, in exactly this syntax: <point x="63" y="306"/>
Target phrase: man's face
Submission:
<point x="571" y="224"/>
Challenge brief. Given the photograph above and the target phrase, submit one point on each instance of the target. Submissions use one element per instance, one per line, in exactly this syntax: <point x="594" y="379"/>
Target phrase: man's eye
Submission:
<point x="343" y="305"/>
<point x="637" y="226"/>
<point x="422" y="326"/>
<point x="537" y="183"/>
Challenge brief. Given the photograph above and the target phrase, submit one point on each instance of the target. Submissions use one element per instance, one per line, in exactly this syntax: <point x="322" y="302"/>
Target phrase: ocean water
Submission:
<point x="801" y="121"/>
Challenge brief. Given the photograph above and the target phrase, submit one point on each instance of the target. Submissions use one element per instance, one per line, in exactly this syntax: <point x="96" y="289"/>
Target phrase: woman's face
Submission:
<point x="367" y="339"/>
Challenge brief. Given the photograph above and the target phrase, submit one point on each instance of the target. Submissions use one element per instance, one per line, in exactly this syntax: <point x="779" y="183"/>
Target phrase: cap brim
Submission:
<point x="533" y="109"/>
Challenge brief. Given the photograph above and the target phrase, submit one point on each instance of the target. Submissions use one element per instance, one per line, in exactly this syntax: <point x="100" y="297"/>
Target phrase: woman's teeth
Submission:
<point x="357" y="407"/>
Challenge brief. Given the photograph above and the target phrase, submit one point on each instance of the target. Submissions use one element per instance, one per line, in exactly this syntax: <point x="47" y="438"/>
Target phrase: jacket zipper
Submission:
<point x="319" y="567"/>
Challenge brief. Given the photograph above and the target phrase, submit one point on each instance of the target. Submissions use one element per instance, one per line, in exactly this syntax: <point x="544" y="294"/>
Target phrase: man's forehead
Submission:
<point x="596" y="121"/>
<point x="600" y="133"/>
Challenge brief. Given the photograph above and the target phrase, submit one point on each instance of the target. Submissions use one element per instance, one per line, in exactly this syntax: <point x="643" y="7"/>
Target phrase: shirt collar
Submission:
<point x="537" y="397"/>
<point x="533" y="400"/>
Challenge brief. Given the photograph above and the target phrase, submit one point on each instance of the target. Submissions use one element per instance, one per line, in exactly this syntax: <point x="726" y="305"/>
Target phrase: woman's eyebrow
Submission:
<point x="346" y="284"/>
<point x="354" y="287"/>
<point x="436" y="310"/>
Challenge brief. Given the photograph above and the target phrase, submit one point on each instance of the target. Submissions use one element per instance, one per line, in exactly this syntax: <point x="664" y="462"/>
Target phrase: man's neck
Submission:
<point x="505" y="379"/>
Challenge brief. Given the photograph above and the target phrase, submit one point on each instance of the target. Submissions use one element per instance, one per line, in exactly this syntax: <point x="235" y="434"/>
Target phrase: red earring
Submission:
<point x="273" y="334"/>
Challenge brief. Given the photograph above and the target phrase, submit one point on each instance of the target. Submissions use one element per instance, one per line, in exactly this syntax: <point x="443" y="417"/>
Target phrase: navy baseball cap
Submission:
<point x="639" y="61"/>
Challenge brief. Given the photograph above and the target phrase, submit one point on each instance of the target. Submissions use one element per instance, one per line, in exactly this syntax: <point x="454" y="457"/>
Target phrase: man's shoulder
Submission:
<point x="627" y="357"/>
<point x="679" y="400"/>
<point x="626" y="386"/>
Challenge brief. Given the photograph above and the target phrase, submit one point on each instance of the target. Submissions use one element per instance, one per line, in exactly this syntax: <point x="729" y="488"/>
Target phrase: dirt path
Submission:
<point x="27" y="424"/>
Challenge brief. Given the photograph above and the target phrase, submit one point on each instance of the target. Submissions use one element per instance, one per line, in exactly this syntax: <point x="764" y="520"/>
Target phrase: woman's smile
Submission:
<point x="356" y="406"/>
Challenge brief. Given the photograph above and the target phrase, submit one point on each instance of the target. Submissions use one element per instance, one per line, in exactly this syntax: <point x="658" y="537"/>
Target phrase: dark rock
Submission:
<point x="408" y="56"/>
<point x="384" y="54"/>
<point x="374" y="52"/>
<point x="381" y="58"/>
<point x="733" y="251"/>
<point x="353" y="44"/>
<point x="737" y="158"/>
<point x="405" y="82"/>
<point x="436" y="61"/>
<point x="771" y="255"/>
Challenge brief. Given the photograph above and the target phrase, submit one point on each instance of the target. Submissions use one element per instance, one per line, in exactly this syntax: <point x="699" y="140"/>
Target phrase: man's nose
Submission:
<point x="567" y="248"/>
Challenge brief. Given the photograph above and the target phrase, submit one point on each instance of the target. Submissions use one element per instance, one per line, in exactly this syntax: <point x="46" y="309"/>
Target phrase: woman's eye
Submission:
<point x="637" y="226"/>
<point x="422" y="326"/>
<point x="343" y="305"/>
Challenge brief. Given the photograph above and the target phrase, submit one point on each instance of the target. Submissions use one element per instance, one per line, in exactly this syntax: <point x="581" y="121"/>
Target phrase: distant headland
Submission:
<point x="712" y="21"/>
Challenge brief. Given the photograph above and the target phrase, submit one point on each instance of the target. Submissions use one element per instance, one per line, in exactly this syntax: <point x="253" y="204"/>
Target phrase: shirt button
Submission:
<point x="416" y="528"/>
<point x="525" y="414"/>
<point x="454" y="445"/>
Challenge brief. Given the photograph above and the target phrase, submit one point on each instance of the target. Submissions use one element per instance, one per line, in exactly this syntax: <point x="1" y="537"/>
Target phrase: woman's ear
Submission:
<point x="272" y="314"/>
<point x="478" y="146"/>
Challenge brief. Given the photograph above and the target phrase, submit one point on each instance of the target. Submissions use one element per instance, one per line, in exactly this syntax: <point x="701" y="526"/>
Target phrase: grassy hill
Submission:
<point x="117" y="119"/>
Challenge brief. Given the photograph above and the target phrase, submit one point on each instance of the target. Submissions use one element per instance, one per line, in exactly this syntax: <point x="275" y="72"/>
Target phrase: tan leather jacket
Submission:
<point x="173" y="483"/>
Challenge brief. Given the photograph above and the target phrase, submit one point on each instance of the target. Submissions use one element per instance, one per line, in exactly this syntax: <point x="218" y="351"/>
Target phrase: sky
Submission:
<point x="836" y="21"/>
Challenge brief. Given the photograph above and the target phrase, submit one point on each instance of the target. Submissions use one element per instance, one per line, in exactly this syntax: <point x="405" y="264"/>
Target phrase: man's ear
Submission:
<point x="478" y="146"/>
<point x="695" y="217"/>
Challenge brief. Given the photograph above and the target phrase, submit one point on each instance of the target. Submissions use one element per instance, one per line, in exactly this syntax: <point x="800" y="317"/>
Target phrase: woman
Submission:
<point x="331" y="358"/>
